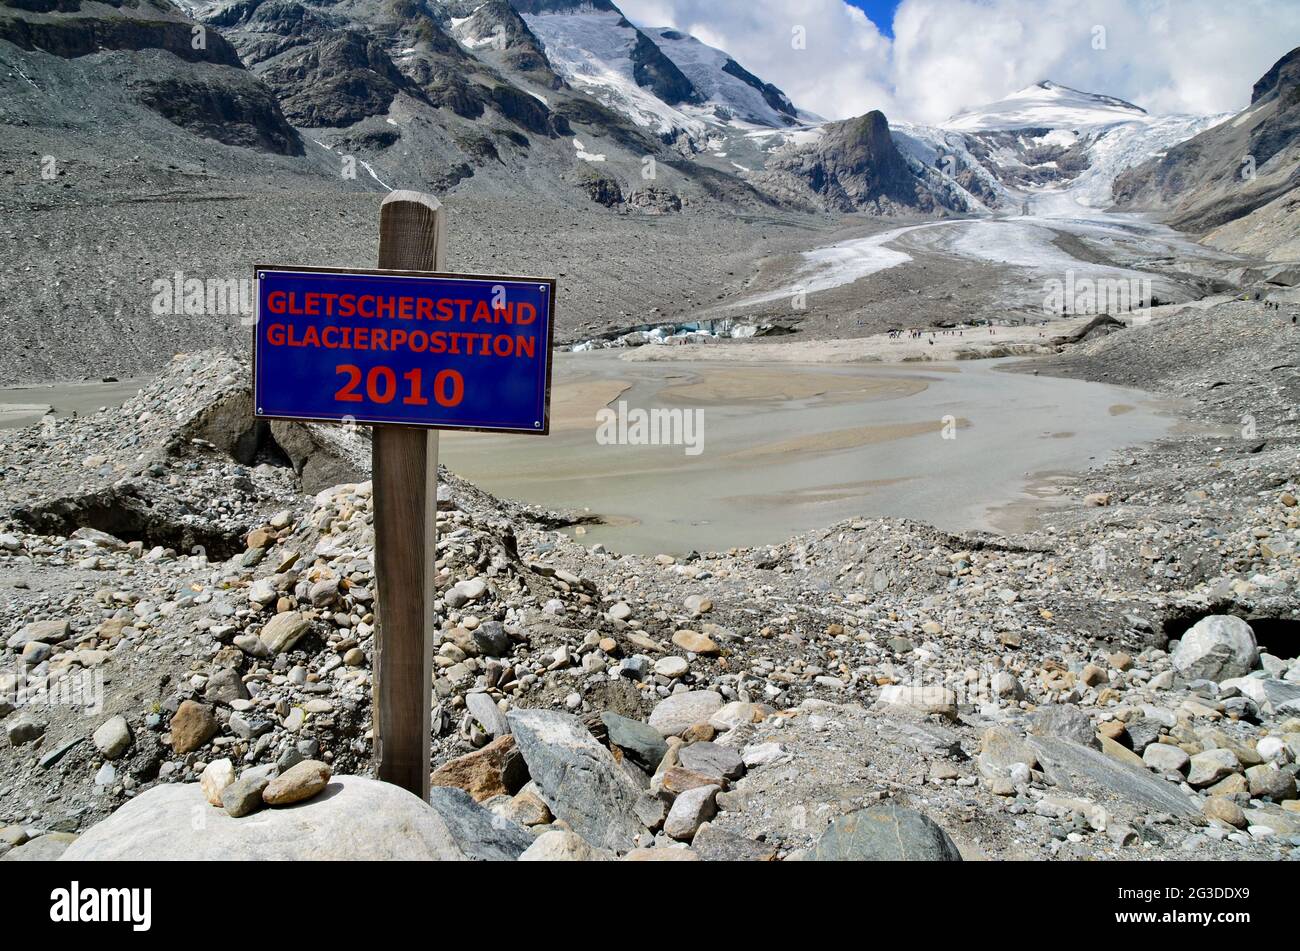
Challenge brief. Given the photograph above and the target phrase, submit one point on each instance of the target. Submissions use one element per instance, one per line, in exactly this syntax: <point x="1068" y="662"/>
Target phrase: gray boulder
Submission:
<point x="353" y="819"/>
<point x="577" y="777"/>
<point x="491" y="639"/>
<point x="484" y="709"/>
<point x="640" y="742"/>
<point x="113" y="738"/>
<point x="43" y="848"/>
<point x="1067" y="722"/>
<point x="885" y="833"/>
<point x="482" y="835"/>
<point x="1216" y="648"/>
<point x="677" y="712"/>
<point x="1142" y="732"/>
<point x="1082" y="771"/>
<point x="712" y="759"/>
<point x="44" y="632"/>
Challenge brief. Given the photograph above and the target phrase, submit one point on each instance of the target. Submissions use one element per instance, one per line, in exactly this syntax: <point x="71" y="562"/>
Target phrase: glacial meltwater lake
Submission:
<point x="789" y="448"/>
<point x="784" y="448"/>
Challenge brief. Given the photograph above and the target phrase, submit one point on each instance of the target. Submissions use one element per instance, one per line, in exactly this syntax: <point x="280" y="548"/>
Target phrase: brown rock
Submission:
<point x="260" y="538"/>
<point x="678" y="779"/>
<point x="642" y="642"/>
<point x="527" y="808"/>
<point x="696" y="643"/>
<point x="1114" y="730"/>
<point x="699" y="733"/>
<point x="497" y="769"/>
<point x="1120" y="661"/>
<point x="298" y="783"/>
<point x="1121" y="753"/>
<point x="1093" y="675"/>
<point x="1225" y="810"/>
<point x="1230" y="786"/>
<point x="192" y="726"/>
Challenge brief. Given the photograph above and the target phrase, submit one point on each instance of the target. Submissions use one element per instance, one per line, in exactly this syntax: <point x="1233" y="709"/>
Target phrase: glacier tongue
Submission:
<point x="1113" y="152"/>
<point x="1048" y="149"/>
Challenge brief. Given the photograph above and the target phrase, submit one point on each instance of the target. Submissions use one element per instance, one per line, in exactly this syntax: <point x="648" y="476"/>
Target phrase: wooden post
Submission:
<point x="404" y="467"/>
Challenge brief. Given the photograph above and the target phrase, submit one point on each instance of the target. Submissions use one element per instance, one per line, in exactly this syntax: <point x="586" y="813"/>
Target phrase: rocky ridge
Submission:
<point x="1246" y="169"/>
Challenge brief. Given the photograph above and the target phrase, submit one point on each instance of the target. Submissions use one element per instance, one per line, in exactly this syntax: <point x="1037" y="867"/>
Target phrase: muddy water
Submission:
<point x="25" y="405"/>
<point x="789" y="448"/>
<point x="783" y="448"/>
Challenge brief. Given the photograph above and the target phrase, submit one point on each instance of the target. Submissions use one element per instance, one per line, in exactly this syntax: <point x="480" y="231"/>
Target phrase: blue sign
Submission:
<point x="440" y="351"/>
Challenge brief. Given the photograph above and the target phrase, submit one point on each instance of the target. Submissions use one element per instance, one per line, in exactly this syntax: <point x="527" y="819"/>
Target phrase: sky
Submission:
<point x="880" y="12"/>
<point x="926" y="60"/>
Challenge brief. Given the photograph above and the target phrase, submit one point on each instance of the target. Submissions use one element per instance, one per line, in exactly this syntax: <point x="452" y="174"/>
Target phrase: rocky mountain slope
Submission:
<point x="1245" y="168"/>
<point x="75" y="64"/>
<point x="197" y="141"/>
<point x="850" y="166"/>
<point x="1038" y="143"/>
<point x="551" y="95"/>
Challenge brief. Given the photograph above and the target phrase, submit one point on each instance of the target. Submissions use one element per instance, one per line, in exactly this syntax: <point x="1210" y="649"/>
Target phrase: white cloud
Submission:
<point x="1199" y="56"/>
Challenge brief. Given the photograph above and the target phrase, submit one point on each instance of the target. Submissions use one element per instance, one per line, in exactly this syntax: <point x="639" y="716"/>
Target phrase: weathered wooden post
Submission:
<point x="408" y="350"/>
<point x="404" y="469"/>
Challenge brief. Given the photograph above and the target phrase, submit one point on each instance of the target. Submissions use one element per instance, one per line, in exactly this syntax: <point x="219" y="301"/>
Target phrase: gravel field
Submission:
<point x="1118" y="682"/>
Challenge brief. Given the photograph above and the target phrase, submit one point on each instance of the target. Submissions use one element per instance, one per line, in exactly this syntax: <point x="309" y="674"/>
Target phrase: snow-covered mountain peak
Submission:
<point x="1047" y="105"/>
<point x="663" y="79"/>
<point x="725" y="85"/>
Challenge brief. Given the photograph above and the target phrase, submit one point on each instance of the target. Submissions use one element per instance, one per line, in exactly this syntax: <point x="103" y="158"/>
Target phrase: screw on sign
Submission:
<point x="407" y="350"/>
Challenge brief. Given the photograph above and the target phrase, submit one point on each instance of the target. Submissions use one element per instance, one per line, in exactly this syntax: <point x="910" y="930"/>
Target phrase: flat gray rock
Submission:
<point x="484" y="709"/>
<point x="712" y="759"/>
<point x="1064" y="721"/>
<point x="887" y="833"/>
<point x="903" y="725"/>
<point x="678" y="711"/>
<point x="578" y="778"/>
<point x="640" y="742"/>
<point x="354" y="819"/>
<point x="45" y="632"/>
<point x="718" y="845"/>
<point x="481" y="834"/>
<point x="1087" y="772"/>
